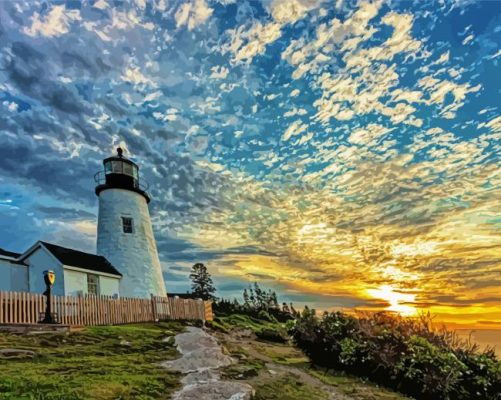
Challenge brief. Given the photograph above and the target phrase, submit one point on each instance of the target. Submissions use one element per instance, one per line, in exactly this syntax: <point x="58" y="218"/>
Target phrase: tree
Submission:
<point x="246" y="299"/>
<point x="202" y="285"/>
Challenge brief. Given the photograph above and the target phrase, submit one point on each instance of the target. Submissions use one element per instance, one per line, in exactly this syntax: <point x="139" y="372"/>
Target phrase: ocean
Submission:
<point x="484" y="337"/>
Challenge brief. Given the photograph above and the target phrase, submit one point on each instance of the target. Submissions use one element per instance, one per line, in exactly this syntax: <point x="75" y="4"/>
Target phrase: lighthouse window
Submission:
<point x="127" y="169"/>
<point x="92" y="284"/>
<point x="107" y="168"/>
<point x="127" y="224"/>
<point x="117" y="167"/>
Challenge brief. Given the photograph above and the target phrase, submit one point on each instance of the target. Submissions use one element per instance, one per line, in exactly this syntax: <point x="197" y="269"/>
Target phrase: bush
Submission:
<point x="226" y="308"/>
<point x="265" y="316"/>
<point x="405" y="354"/>
<point x="273" y="335"/>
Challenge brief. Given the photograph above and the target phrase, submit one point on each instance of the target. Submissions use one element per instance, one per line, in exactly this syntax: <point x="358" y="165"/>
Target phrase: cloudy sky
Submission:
<point x="344" y="153"/>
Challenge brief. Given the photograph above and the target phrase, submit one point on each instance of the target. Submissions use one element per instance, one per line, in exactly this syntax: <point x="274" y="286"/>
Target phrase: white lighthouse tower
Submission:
<point x="124" y="231"/>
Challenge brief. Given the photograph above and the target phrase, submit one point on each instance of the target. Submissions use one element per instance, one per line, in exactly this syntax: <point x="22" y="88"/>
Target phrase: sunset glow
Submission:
<point x="345" y="154"/>
<point x="395" y="299"/>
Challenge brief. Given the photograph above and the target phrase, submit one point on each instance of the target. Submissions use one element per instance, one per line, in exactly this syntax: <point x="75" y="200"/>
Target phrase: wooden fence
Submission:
<point x="28" y="308"/>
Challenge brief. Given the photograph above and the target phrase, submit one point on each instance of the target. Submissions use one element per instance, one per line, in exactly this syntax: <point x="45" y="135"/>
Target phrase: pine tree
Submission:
<point x="252" y="298"/>
<point x="259" y="296"/>
<point x="246" y="298"/>
<point x="202" y="285"/>
<point x="274" y="301"/>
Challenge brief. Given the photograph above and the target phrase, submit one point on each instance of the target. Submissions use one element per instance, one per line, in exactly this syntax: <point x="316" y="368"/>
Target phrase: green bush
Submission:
<point x="405" y="354"/>
<point x="273" y="335"/>
<point x="265" y="316"/>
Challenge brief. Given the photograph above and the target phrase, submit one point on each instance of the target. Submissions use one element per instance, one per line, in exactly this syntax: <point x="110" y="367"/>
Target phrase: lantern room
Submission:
<point x="120" y="173"/>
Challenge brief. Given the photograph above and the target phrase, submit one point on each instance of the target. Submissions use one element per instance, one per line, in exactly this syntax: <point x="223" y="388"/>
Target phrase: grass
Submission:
<point x="227" y="323"/>
<point x="113" y="362"/>
<point x="290" y="388"/>
<point x="353" y="386"/>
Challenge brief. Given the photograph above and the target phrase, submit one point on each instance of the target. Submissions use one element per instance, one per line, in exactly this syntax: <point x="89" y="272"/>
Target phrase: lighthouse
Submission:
<point x="124" y="231"/>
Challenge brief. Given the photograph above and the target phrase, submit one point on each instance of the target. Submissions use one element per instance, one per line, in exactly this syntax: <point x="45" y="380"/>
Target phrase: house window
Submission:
<point x="93" y="284"/>
<point x="127" y="225"/>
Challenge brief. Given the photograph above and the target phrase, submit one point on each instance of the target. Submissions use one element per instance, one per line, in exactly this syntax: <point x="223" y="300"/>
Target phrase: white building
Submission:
<point x="124" y="231"/>
<point x="127" y="263"/>
<point x="77" y="273"/>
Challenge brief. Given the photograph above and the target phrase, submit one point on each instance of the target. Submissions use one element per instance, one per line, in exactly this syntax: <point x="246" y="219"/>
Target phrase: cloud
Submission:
<point x="135" y="76"/>
<point x="356" y="158"/>
<point x="192" y="14"/>
<point x="245" y="44"/>
<point x="219" y="72"/>
<point x="55" y="23"/>
<point x="248" y="42"/>
<point x="438" y="90"/>
<point x="290" y="11"/>
<point x="369" y="135"/>
<point x="294" y="129"/>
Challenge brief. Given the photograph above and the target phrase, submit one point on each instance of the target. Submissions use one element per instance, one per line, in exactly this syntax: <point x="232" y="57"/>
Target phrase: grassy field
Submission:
<point x="114" y="362"/>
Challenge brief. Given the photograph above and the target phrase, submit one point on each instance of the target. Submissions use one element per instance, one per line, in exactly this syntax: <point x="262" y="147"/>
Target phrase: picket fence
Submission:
<point x="89" y="310"/>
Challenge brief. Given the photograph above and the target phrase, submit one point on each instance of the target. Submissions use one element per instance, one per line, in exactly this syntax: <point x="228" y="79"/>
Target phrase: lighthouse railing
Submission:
<point x="141" y="184"/>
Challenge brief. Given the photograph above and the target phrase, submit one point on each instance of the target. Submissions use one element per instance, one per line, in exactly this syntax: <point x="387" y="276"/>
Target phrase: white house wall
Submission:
<point x="109" y="286"/>
<point x="13" y="277"/>
<point x="39" y="261"/>
<point x="75" y="283"/>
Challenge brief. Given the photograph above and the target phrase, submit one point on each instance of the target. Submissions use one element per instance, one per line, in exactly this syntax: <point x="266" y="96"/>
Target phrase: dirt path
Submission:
<point x="257" y="350"/>
<point x="304" y="377"/>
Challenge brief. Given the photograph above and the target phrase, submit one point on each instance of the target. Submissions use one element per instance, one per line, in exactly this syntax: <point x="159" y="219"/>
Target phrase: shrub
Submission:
<point x="272" y="335"/>
<point x="406" y="354"/>
<point x="265" y="316"/>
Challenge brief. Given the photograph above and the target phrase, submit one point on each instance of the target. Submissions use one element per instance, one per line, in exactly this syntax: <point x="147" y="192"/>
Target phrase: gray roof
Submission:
<point x="9" y="253"/>
<point x="80" y="259"/>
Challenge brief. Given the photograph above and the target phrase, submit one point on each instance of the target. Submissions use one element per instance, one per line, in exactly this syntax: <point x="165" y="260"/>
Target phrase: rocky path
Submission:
<point x="201" y="358"/>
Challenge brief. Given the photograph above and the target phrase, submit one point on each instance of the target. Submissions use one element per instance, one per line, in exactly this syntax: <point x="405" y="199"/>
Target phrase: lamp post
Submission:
<point x="49" y="277"/>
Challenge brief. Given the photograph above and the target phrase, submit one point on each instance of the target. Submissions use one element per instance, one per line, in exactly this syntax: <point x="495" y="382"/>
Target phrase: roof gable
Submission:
<point x="10" y="254"/>
<point x="10" y="257"/>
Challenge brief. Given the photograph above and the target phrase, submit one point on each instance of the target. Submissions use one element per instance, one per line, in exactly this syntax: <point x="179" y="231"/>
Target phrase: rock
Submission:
<point x="170" y="340"/>
<point x="201" y="358"/>
<point x="219" y="390"/>
<point x="200" y="351"/>
<point x="16" y="354"/>
<point x="124" y="342"/>
<point x="245" y="333"/>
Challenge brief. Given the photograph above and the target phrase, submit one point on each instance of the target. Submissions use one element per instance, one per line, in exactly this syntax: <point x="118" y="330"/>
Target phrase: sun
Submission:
<point x="399" y="302"/>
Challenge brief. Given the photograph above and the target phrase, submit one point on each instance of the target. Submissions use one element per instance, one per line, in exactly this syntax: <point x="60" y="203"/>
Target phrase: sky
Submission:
<point x="342" y="153"/>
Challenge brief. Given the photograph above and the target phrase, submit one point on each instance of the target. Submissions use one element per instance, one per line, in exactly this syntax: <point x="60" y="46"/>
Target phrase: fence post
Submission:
<point x="1" y="308"/>
<point x="154" y="308"/>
